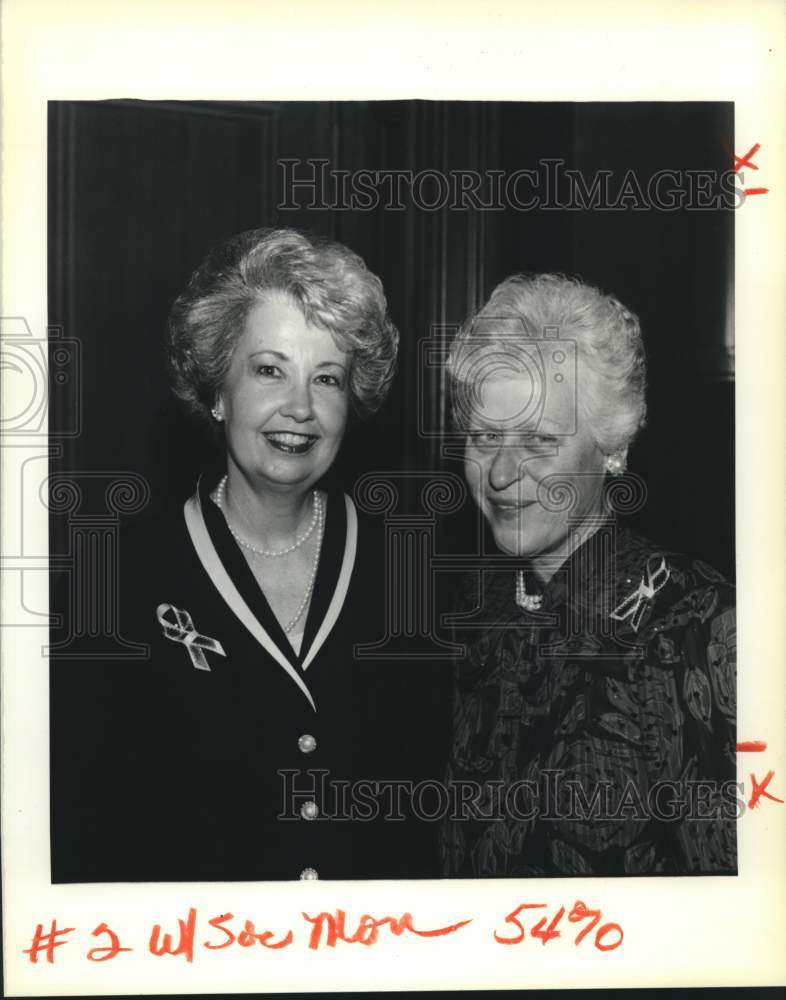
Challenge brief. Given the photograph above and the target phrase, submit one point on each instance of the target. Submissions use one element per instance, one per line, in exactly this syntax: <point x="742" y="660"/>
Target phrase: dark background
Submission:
<point x="139" y="191"/>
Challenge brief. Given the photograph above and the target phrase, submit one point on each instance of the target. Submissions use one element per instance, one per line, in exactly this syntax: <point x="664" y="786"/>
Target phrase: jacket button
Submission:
<point x="309" y="875"/>
<point x="307" y="743"/>
<point x="309" y="810"/>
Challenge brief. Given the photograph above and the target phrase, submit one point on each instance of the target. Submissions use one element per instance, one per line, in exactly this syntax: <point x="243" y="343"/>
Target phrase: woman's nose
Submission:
<point x="298" y="402"/>
<point x="506" y="468"/>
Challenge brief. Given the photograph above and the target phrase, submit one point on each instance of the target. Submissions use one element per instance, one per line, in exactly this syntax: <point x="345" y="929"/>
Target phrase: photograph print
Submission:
<point x="391" y="490"/>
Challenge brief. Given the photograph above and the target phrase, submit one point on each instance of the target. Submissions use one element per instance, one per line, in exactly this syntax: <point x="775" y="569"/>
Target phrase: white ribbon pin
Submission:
<point x="182" y="630"/>
<point x="633" y="606"/>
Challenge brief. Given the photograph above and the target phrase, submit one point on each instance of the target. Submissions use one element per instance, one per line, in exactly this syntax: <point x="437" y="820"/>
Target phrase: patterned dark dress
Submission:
<point x="596" y="735"/>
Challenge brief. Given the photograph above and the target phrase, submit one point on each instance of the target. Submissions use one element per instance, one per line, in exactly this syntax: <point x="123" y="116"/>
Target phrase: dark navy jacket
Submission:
<point x="189" y="765"/>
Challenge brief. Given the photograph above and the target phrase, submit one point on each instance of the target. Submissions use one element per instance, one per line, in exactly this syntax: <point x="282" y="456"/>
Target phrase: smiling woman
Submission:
<point x="498" y="447"/>
<point x="284" y="400"/>
<point x="598" y="690"/>
<point x="284" y="406"/>
<point x="222" y="756"/>
<point x="275" y="339"/>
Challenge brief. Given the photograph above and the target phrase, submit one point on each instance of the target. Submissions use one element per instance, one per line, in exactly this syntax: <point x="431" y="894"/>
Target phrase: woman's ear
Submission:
<point x="617" y="462"/>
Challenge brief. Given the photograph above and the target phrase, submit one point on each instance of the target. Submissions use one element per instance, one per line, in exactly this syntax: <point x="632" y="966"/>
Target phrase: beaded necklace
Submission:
<point x="317" y="521"/>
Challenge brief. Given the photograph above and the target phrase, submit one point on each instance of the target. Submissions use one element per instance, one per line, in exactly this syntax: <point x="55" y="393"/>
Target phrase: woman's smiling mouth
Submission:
<point x="291" y="442"/>
<point x="506" y="506"/>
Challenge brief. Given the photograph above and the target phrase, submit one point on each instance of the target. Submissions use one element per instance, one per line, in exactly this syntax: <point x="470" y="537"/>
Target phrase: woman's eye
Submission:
<point x="327" y="379"/>
<point x="492" y="439"/>
<point x="487" y="438"/>
<point x="539" y="441"/>
<point x="268" y="371"/>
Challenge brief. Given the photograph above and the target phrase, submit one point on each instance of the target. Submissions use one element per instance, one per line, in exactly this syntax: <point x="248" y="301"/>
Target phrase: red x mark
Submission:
<point x="747" y="161"/>
<point x="760" y="790"/>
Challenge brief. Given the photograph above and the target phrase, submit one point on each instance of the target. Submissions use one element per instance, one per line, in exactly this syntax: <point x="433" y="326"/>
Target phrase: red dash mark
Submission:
<point x="751" y="746"/>
<point x="755" y="190"/>
<point x="405" y="924"/>
<point x="760" y="789"/>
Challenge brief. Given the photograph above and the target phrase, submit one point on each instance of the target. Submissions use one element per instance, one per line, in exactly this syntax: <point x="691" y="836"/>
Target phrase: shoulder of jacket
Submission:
<point x="644" y="557"/>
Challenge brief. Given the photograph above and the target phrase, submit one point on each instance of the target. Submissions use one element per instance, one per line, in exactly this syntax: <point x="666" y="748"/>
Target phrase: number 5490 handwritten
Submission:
<point x="607" y="937"/>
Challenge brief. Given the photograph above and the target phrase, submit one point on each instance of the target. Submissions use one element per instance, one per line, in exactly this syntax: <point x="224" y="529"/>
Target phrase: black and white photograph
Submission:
<point x="397" y="539"/>
<point x="392" y="524"/>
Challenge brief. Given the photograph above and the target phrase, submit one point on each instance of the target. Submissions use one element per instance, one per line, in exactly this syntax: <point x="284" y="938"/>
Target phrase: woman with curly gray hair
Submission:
<point x="597" y="691"/>
<point x="227" y="750"/>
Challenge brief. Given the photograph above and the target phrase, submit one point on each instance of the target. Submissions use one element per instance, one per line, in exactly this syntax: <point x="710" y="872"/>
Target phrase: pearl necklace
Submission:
<point x="529" y="602"/>
<point x="317" y="520"/>
<point x="316" y="514"/>
<point x="310" y="587"/>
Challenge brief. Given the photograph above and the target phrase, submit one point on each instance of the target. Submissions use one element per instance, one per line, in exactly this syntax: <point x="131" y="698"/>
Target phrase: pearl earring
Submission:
<point x="216" y="414"/>
<point x="615" y="464"/>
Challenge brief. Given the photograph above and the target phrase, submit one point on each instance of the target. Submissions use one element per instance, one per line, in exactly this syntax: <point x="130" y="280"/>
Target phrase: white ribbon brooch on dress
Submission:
<point x="179" y="627"/>
<point x="633" y="606"/>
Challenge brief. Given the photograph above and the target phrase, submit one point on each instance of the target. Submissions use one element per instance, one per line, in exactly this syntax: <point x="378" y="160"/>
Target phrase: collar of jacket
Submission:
<point x="226" y="566"/>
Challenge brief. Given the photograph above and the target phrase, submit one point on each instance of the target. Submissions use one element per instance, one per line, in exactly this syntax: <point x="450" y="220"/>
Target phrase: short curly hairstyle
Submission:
<point x="327" y="281"/>
<point x="609" y="348"/>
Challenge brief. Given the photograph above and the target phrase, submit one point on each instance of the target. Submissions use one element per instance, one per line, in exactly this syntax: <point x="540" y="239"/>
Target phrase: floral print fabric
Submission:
<point x="596" y="735"/>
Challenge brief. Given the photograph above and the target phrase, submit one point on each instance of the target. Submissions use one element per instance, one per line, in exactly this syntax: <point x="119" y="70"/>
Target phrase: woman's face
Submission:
<point x="285" y="398"/>
<point x="506" y="458"/>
